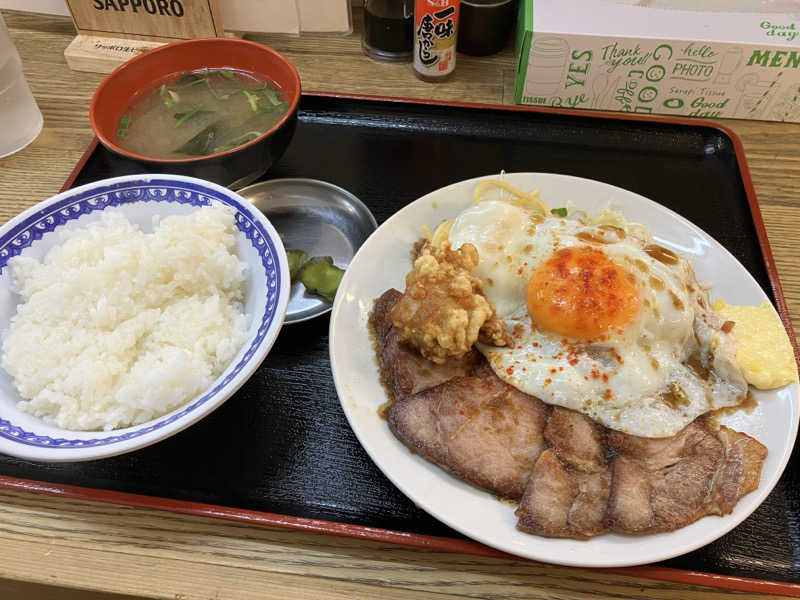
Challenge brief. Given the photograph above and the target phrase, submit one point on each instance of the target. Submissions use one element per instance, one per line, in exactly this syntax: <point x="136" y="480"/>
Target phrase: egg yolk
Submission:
<point x="581" y="293"/>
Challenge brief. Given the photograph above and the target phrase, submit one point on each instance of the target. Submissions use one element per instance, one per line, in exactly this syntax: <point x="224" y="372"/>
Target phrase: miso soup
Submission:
<point x="201" y="112"/>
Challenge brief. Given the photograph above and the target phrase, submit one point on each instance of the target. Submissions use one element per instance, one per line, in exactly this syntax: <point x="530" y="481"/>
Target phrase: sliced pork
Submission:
<point x="478" y="428"/>
<point x="650" y="485"/>
<point x="573" y="478"/>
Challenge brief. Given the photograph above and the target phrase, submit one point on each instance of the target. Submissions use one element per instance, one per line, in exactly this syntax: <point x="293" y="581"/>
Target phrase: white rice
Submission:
<point x="116" y="327"/>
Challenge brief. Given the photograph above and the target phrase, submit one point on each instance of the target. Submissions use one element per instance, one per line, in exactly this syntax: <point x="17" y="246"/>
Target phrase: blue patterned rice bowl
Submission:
<point x="139" y="197"/>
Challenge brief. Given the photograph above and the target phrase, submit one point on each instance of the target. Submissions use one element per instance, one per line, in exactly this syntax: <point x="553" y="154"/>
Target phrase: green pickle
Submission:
<point x="318" y="274"/>
<point x="321" y="277"/>
<point x="296" y="259"/>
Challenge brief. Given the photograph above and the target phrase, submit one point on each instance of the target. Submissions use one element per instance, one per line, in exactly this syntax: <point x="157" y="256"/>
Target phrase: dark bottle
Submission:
<point x="484" y="26"/>
<point x="388" y="29"/>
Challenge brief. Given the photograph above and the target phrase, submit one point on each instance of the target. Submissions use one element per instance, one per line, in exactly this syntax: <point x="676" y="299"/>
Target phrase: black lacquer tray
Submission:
<point x="280" y="451"/>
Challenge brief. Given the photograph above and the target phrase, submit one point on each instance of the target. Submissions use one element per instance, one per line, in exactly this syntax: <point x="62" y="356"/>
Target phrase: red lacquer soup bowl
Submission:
<point x="139" y="76"/>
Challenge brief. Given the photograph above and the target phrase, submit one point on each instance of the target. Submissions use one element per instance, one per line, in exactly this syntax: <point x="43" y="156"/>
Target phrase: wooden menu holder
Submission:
<point x="112" y="31"/>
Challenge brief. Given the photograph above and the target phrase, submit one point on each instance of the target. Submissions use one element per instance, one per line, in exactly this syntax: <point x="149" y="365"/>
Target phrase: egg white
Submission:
<point x="643" y="380"/>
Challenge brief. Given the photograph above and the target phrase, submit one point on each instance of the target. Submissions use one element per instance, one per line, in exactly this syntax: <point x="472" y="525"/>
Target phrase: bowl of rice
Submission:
<point x="130" y="308"/>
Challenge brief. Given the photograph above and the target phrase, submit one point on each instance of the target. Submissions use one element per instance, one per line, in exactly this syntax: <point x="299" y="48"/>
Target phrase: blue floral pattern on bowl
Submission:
<point x="47" y="220"/>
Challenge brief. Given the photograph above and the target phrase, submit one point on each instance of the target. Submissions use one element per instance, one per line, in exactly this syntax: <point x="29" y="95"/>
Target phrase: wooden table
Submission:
<point x="59" y="548"/>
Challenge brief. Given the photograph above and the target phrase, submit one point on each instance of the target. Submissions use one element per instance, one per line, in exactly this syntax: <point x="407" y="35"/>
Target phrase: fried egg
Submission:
<point x="603" y="320"/>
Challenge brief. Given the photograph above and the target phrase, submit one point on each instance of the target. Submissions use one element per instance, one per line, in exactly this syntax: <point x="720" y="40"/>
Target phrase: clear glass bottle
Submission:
<point x="388" y="30"/>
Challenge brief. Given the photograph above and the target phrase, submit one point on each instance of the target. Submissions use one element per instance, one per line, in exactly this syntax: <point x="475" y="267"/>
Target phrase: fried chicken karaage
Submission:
<point x="443" y="310"/>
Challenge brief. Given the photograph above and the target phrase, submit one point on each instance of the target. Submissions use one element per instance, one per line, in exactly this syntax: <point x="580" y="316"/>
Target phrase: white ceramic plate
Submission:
<point x="139" y="198"/>
<point x="383" y="261"/>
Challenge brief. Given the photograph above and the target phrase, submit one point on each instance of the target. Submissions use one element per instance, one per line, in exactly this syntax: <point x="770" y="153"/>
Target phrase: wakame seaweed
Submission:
<point x="200" y="144"/>
<point x="197" y="109"/>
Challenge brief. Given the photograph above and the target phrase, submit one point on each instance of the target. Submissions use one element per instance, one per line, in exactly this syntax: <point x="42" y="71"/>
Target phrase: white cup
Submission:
<point x="20" y="117"/>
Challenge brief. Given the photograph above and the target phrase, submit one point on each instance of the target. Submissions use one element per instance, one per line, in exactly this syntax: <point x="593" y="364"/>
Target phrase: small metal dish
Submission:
<point x="318" y="217"/>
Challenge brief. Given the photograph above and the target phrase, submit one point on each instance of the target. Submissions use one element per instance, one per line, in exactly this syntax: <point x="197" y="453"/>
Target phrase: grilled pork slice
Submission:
<point x="569" y="487"/>
<point x="649" y="486"/>
<point x="578" y="442"/>
<point x="703" y="470"/>
<point x="478" y="428"/>
<point x="404" y="369"/>
<point x="562" y="502"/>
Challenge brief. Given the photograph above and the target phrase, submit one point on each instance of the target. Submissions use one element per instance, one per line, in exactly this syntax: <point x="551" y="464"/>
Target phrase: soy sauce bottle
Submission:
<point x="388" y="30"/>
